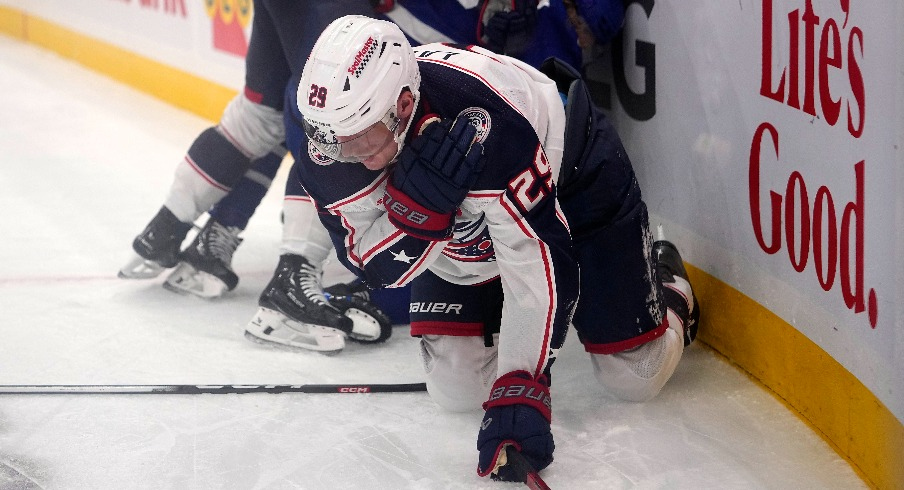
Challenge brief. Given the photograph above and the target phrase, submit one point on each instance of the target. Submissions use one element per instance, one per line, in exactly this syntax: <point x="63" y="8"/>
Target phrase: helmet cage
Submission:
<point x="327" y="141"/>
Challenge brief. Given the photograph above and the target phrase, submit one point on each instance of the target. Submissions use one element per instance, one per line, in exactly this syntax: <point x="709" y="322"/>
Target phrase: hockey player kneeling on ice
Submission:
<point x="453" y="169"/>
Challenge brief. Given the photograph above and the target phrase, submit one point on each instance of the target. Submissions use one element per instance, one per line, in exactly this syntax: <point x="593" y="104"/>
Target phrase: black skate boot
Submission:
<point x="206" y="268"/>
<point x="354" y="288"/>
<point x="370" y="323"/>
<point x="295" y="313"/>
<point x="157" y="247"/>
<point x="678" y="295"/>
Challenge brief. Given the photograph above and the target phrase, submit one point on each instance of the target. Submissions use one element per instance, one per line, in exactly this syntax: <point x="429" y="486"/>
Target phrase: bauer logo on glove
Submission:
<point x="515" y="391"/>
<point x="518" y="413"/>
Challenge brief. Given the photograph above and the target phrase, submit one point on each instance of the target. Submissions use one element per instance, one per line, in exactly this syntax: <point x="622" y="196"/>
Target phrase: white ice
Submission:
<point x="86" y="163"/>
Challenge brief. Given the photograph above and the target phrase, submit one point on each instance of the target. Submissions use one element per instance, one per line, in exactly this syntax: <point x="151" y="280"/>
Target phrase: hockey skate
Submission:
<point x="678" y="295"/>
<point x="293" y="312"/>
<point x="370" y="325"/>
<point x="206" y="267"/>
<point x="157" y="247"/>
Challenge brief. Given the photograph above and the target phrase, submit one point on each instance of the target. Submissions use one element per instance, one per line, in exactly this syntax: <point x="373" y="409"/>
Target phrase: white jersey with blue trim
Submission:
<point x="520" y="121"/>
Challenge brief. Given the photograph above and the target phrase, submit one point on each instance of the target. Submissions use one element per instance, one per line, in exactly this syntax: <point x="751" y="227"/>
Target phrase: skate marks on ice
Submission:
<point x="17" y="472"/>
<point x="242" y="441"/>
<point x="711" y="427"/>
<point x="13" y="478"/>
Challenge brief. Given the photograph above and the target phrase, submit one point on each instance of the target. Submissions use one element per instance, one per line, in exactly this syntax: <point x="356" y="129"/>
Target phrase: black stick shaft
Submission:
<point x="183" y="389"/>
<point x="530" y="476"/>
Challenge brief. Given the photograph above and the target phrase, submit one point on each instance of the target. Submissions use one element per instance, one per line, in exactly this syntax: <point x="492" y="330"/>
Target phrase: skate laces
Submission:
<point x="307" y="279"/>
<point x="221" y="242"/>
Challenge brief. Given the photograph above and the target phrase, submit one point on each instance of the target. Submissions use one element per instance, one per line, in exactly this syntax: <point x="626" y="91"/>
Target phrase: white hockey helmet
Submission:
<point x="356" y="71"/>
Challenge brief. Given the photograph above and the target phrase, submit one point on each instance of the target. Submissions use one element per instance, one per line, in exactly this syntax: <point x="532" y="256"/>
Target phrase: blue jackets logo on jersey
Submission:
<point x="480" y="119"/>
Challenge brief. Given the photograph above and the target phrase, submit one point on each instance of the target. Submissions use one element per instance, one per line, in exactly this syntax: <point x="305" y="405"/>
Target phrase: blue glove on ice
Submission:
<point x="518" y="413"/>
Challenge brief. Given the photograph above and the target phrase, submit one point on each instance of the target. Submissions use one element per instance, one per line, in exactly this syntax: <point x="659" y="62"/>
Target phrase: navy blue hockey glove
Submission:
<point x="507" y="26"/>
<point x="518" y="413"/>
<point x="432" y="177"/>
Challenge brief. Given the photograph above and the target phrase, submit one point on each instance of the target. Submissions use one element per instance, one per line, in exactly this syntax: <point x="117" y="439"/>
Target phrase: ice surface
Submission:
<point x="86" y="163"/>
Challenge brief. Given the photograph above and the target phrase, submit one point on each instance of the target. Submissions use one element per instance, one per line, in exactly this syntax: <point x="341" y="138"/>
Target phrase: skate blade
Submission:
<point x="271" y="328"/>
<point x="185" y="279"/>
<point x="364" y="326"/>
<point x="140" y="268"/>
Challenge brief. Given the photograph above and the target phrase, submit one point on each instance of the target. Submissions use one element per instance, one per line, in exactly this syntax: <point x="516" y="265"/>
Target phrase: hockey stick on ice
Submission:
<point x="208" y="389"/>
<point x="525" y="471"/>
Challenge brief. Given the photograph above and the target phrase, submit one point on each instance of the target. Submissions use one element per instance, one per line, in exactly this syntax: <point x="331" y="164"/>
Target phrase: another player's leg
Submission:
<point x="157" y="247"/>
<point x="206" y="263"/>
<point x="250" y="129"/>
<point x="215" y="162"/>
<point x="204" y="176"/>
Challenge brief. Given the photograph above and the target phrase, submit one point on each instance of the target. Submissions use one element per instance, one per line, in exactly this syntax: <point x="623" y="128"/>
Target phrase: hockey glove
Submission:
<point x="370" y="324"/>
<point x="507" y="26"/>
<point x="432" y="177"/>
<point x="518" y="413"/>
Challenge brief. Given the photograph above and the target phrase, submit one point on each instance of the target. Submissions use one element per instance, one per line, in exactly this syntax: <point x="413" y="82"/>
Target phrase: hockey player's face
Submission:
<point x="374" y="147"/>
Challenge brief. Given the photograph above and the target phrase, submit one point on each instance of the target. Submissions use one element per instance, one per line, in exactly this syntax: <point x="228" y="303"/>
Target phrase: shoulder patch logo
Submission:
<point x="480" y="119"/>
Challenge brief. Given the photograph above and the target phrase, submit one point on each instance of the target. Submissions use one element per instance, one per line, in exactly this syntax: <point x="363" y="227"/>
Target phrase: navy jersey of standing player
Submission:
<point x="440" y="166"/>
<point x="529" y="30"/>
